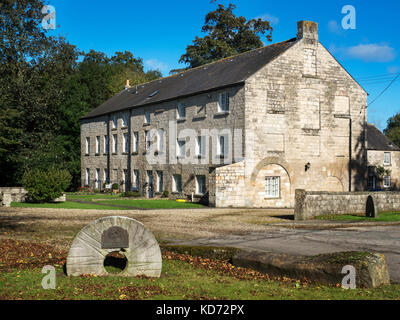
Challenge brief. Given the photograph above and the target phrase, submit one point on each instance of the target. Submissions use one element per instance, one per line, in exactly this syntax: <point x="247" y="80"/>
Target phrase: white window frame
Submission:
<point x="175" y="183"/>
<point x="147" y="117"/>
<point x="223" y="102"/>
<point x="87" y="145"/>
<point x="387" y="181"/>
<point x="222" y="149"/>
<point x="272" y="187"/>
<point x="198" y="185"/>
<point x="125" y="119"/>
<point x="135" y="180"/>
<point x="384" y="158"/>
<point x="125" y="141"/>
<point x="106" y="178"/>
<point x="106" y="145"/>
<point x="160" y="181"/>
<point x="160" y="140"/>
<point x="97" y="144"/>
<point x="135" y="142"/>
<point x="181" y="149"/>
<point x="87" y="178"/>
<point x="147" y="140"/>
<point x="200" y="146"/>
<point x="115" y="143"/>
<point x="114" y="121"/>
<point x="98" y="181"/>
<point x="181" y="111"/>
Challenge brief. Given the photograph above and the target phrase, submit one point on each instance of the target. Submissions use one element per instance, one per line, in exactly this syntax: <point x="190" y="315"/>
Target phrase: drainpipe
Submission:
<point x="344" y="116"/>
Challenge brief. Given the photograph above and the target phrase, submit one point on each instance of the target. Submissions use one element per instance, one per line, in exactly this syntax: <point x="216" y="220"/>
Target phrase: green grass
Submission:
<point x="63" y="205"/>
<point x="103" y="202"/>
<point x="179" y="280"/>
<point x="154" y="204"/>
<point x="386" y="216"/>
<point x="89" y="197"/>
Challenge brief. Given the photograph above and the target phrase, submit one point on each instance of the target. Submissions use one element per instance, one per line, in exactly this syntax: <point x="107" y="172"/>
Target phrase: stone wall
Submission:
<point x="18" y="194"/>
<point x="230" y="186"/>
<point x="312" y="204"/>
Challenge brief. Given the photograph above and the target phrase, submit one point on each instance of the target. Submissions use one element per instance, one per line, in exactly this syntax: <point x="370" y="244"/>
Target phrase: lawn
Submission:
<point x="64" y="205"/>
<point x="109" y="202"/>
<point x="183" y="277"/>
<point x="385" y="216"/>
<point x="154" y="204"/>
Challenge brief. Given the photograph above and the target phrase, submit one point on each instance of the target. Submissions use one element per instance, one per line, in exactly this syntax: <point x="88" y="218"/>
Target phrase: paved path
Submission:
<point x="382" y="239"/>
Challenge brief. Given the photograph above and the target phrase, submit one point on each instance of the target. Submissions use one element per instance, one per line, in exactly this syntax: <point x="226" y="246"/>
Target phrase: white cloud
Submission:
<point x="156" y="65"/>
<point x="334" y="27"/>
<point x="272" y="19"/>
<point x="371" y="52"/>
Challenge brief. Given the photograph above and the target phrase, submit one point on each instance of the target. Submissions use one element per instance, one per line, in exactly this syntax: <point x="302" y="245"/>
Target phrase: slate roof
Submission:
<point x="378" y="141"/>
<point x="222" y="73"/>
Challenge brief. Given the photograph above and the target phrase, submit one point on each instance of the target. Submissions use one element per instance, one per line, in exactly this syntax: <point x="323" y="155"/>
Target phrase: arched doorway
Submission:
<point x="271" y="186"/>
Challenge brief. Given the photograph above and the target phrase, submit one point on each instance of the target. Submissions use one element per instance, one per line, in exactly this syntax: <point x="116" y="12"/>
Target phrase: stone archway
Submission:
<point x="105" y="235"/>
<point x="272" y="167"/>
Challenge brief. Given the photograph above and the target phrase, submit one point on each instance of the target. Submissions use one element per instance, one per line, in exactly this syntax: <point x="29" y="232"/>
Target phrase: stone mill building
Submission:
<point x="245" y="131"/>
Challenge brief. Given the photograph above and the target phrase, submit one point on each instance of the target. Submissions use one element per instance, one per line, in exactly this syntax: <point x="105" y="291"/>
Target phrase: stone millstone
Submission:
<point x="128" y="236"/>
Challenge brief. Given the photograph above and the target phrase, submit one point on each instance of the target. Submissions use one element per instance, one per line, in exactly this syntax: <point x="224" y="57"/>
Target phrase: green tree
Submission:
<point x="392" y="130"/>
<point x="227" y="35"/>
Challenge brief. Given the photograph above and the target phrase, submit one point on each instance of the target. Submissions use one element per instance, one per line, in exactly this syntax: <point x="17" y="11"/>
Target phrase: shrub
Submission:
<point x="165" y="194"/>
<point x="115" y="186"/>
<point x="133" y="194"/>
<point x="45" y="185"/>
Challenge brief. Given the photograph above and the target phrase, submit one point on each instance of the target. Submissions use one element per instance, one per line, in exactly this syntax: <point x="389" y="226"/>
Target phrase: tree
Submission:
<point x="227" y="35"/>
<point x="392" y="130"/>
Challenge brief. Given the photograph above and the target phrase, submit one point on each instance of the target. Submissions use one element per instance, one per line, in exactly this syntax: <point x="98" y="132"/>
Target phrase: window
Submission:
<point x="223" y="102"/>
<point x="87" y="151"/>
<point x="125" y="119"/>
<point x="387" y="159"/>
<point x="180" y="148"/>
<point x="98" y="184"/>
<point x="106" y="145"/>
<point x="200" y="185"/>
<point x="125" y="142"/>
<point x="160" y="181"/>
<point x="386" y="182"/>
<point x="135" y="142"/>
<point x="160" y="140"/>
<point x="147" y="117"/>
<point x="87" y="178"/>
<point x="97" y="144"/>
<point x="114" y="121"/>
<point x="124" y="175"/>
<point x="222" y="145"/>
<point x="181" y="111"/>
<point x="115" y="143"/>
<point x="106" y="177"/>
<point x="200" y="146"/>
<point x="147" y="141"/>
<point x="177" y="183"/>
<point x="272" y="187"/>
<point x="135" y="180"/>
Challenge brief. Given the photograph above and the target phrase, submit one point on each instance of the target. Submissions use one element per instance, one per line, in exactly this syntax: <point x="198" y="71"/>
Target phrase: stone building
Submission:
<point x="245" y="131"/>
<point x="383" y="154"/>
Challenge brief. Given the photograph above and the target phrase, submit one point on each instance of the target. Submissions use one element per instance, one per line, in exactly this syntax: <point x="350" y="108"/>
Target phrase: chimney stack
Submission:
<point x="127" y="86"/>
<point x="307" y="30"/>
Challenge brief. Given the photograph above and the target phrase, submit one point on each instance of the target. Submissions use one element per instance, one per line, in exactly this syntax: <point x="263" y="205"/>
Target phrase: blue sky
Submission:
<point x="159" y="31"/>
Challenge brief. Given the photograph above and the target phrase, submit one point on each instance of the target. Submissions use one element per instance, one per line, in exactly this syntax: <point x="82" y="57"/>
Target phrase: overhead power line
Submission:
<point x="384" y="90"/>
